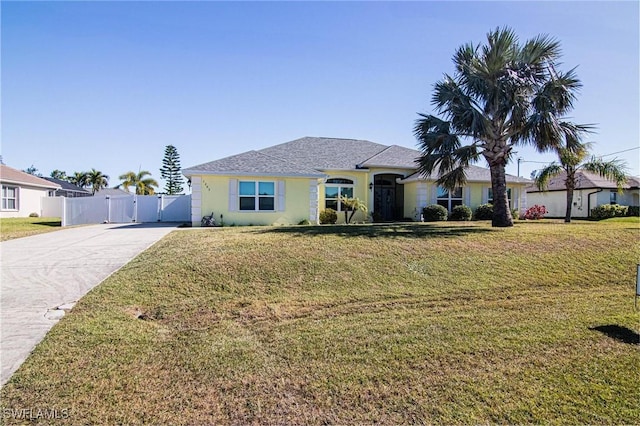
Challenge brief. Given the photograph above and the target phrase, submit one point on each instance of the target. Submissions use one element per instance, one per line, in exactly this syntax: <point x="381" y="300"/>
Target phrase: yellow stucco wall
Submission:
<point x="214" y="193"/>
<point x="415" y="198"/>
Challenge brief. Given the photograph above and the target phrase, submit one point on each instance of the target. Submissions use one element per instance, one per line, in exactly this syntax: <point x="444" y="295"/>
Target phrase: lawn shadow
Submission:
<point x="617" y="332"/>
<point x="49" y="223"/>
<point x="380" y="230"/>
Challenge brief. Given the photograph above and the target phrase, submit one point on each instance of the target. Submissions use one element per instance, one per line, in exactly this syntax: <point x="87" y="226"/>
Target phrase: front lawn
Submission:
<point x="394" y="324"/>
<point x="18" y="227"/>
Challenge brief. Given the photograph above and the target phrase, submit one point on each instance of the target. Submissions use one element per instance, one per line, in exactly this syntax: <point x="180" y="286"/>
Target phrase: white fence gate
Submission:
<point x="118" y="209"/>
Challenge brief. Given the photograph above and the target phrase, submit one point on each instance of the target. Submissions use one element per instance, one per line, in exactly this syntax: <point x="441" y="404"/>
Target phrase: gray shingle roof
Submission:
<point x="311" y="157"/>
<point x="253" y="163"/>
<point x="67" y="186"/>
<point x="584" y="180"/>
<point x="474" y="174"/>
<point x="325" y="153"/>
<point x="393" y="156"/>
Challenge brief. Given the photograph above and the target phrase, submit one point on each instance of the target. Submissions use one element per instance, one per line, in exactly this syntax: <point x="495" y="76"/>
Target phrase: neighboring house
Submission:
<point x="67" y="189"/>
<point x="294" y="181"/>
<point x="22" y="193"/>
<point x="591" y="191"/>
<point x="112" y="192"/>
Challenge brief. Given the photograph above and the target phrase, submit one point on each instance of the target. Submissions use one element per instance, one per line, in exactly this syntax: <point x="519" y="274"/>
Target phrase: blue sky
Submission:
<point x="108" y="85"/>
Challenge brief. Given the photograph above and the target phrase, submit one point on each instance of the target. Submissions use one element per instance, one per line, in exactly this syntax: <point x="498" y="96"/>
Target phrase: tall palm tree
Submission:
<point x="144" y="185"/>
<point x="97" y="180"/>
<point x="79" y="179"/>
<point x="503" y="94"/>
<point x="572" y="158"/>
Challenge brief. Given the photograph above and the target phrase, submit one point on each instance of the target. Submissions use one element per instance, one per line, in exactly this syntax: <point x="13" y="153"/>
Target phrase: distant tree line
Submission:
<point x="142" y="181"/>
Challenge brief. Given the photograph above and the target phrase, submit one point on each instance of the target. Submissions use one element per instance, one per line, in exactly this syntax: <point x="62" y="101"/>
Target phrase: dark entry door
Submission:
<point x="388" y="201"/>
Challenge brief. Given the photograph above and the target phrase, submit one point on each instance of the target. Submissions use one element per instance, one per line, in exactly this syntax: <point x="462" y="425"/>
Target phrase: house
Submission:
<point x="67" y="189"/>
<point x="294" y="181"/>
<point x="591" y="191"/>
<point x="22" y="193"/>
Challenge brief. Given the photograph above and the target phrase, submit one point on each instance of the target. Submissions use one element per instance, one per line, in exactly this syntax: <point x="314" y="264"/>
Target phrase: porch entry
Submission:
<point x="388" y="197"/>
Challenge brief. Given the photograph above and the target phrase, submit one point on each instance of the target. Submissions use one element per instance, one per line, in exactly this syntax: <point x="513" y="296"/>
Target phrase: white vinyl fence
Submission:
<point x="118" y="209"/>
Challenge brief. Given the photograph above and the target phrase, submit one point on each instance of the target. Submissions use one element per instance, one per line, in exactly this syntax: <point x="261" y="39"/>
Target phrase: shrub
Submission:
<point x="535" y="212"/>
<point x="606" y="211"/>
<point x="484" y="212"/>
<point x="461" y="213"/>
<point x="515" y="214"/>
<point x="633" y="211"/>
<point x="434" y="213"/>
<point x="304" y="222"/>
<point x="328" y="216"/>
<point x="34" y="214"/>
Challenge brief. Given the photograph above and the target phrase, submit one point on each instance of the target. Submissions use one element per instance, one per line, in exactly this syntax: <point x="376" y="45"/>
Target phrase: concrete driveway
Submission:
<point x="43" y="272"/>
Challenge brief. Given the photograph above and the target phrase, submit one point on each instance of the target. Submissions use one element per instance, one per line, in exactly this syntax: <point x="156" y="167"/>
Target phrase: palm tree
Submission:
<point x="572" y="158"/>
<point x="79" y="179"/>
<point x="144" y="186"/>
<point x="352" y="205"/>
<point x="96" y="180"/>
<point x="503" y="94"/>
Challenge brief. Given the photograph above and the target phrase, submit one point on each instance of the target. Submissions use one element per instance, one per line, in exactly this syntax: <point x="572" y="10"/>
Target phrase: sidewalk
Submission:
<point x="42" y="272"/>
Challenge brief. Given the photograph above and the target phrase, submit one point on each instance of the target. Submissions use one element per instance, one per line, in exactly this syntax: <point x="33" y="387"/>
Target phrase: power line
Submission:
<point x="619" y="152"/>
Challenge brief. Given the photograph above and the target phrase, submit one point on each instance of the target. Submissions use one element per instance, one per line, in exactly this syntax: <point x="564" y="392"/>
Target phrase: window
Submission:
<point x="449" y="199"/>
<point x="257" y="196"/>
<point x="613" y="197"/>
<point x="9" y="198"/>
<point x="490" y="196"/>
<point x="335" y="188"/>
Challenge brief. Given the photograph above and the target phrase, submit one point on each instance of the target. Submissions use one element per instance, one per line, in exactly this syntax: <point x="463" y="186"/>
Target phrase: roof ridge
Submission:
<point x="374" y="155"/>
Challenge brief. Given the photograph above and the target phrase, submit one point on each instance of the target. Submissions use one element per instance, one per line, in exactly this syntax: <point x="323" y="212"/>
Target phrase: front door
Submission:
<point x="388" y="198"/>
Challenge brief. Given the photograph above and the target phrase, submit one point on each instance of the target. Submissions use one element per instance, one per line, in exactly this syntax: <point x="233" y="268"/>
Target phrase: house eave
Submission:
<point x="28" y="184"/>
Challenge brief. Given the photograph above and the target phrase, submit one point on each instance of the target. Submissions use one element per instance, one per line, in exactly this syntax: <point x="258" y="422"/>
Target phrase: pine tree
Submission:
<point x="170" y="170"/>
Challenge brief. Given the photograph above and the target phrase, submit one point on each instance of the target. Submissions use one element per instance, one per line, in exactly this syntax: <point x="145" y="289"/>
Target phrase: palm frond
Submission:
<point x="615" y="170"/>
<point x="543" y="176"/>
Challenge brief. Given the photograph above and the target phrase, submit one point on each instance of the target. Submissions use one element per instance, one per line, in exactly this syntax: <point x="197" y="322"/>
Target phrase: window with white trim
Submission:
<point x="9" y="197"/>
<point x="333" y="189"/>
<point x="490" y="196"/>
<point x="449" y="199"/>
<point x="257" y="196"/>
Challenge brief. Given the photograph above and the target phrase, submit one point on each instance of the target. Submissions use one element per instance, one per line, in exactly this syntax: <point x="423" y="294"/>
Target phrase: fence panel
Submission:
<point x="175" y="208"/>
<point x="121" y="209"/>
<point x="52" y="207"/>
<point x="147" y="208"/>
<point x="85" y="210"/>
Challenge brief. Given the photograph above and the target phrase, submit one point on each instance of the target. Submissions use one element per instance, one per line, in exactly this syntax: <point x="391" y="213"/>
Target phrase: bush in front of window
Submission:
<point x="633" y="211"/>
<point x="328" y="216"/>
<point x="606" y="211"/>
<point x="484" y="212"/>
<point x="434" y="213"/>
<point x="461" y="213"/>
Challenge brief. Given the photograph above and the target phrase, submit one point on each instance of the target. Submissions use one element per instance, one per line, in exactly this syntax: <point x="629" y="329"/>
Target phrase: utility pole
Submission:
<point x="519" y="160"/>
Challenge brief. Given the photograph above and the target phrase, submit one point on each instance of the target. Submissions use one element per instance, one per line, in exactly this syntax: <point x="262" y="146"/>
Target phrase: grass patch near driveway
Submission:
<point x="396" y="324"/>
<point x="18" y="227"/>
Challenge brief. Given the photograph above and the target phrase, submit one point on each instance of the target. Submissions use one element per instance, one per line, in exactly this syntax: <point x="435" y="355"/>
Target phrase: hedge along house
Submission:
<point x="294" y="181"/>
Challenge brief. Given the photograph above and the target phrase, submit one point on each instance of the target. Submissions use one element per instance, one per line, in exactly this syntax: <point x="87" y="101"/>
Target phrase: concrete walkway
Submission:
<point x="42" y="272"/>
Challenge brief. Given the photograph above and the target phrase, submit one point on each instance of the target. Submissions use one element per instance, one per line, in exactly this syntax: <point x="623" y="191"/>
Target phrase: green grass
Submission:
<point x="18" y="227"/>
<point x="393" y="324"/>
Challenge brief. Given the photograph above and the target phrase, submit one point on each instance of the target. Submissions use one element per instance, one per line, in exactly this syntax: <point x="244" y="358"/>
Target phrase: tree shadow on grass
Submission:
<point x="622" y="334"/>
<point x="396" y="230"/>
